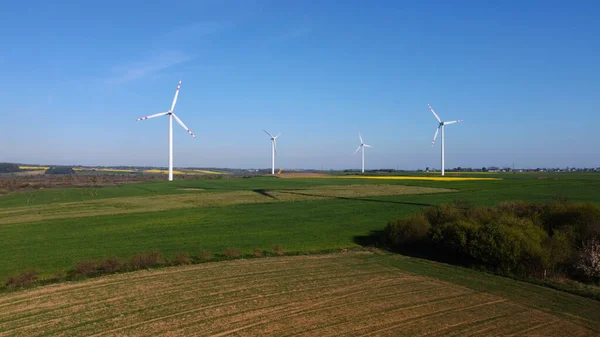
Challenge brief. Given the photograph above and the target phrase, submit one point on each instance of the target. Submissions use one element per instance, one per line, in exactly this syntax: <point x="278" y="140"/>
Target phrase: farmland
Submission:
<point x="52" y="229"/>
<point x="347" y="294"/>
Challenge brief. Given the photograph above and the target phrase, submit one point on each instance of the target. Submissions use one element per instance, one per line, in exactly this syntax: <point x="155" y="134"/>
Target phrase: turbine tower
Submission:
<point x="441" y="126"/>
<point x="362" y="145"/>
<point x="273" y="150"/>
<point x="171" y="116"/>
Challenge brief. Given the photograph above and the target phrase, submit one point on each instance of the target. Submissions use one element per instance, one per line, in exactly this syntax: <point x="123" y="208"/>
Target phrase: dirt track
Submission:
<point x="341" y="294"/>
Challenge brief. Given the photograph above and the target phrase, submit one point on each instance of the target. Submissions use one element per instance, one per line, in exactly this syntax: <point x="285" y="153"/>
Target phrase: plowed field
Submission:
<point x="352" y="294"/>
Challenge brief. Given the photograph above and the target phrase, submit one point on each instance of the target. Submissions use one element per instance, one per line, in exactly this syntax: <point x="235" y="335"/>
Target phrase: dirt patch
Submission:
<point x="322" y="295"/>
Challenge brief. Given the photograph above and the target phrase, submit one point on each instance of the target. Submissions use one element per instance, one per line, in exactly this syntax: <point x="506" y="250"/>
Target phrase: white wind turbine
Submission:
<point x="441" y="126"/>
<point x="362" y="145"/>
<point x="273" y="150"/>
<point x="171" y="116"/>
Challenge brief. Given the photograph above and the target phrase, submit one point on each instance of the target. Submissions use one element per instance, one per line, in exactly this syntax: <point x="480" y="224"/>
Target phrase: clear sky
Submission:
<point x="523" y="75"/>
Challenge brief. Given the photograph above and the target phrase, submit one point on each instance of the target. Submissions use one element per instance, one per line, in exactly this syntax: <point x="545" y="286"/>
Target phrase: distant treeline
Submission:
<point x="558" y="238"/>
<point x="9" y="168"/>
<point x="60" y="170"/>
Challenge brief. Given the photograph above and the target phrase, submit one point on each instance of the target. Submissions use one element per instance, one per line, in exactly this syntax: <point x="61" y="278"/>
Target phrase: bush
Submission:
<point x="443" y="214"/>
<point x="513" y="237"/>
<point x="560" y="251"/>
<point x="205" y="255"/>
<point x="454" y="240"/>
<point x="110" y="265"/>
<point x="60" y="170"/>
<point x="258" y="252"/>
<point x="278" y="250"/>
<point x="408" y="231"/>
<point x="510" y="245"/>
<point x="86" y="268"/>
<point x="23" y="279"/>
<point x="232" y="252"/>
<point x="577" y="216"/>
<point x="589" y="260"/>
<point x="147" y="260"/>
<point x="181" y="258"/>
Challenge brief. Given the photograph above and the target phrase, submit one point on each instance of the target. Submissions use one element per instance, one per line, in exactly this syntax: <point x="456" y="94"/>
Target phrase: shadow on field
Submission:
<point x="264" y="192"/>
<point x="374" y="239"/>
<point x="357" y="199"/>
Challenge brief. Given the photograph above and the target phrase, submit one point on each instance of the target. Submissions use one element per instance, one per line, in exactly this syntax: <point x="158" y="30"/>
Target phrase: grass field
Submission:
<point x="351" y="294"/>
<point x="51" y="229"/>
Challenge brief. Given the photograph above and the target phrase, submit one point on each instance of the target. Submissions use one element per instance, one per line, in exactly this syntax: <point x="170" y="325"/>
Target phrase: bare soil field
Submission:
<point x="348" y="294"/>
<point x="187" y="199"/>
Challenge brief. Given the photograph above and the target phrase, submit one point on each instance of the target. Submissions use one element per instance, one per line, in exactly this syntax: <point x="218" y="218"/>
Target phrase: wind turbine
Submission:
<point x="171" y="116"/>
<point x="441" y="126"/>
<point x="273" y="150"/>
<point x="362" y="145"/>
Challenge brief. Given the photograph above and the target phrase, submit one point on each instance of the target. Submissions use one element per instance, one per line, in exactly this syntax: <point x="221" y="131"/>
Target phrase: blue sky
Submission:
<point x="523" y="75"/>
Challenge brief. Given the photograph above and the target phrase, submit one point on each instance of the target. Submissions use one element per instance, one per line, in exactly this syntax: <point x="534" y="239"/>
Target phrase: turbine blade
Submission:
<point x="435" y="136"/>
<point x="367" y="145"/>
<point x="436" y="116"/>
<point x="175" y="98"/>
<point x="452" y="122"/>
<point x="359" y="136"/>
<point x="267" y="133"/>
<point x="152" y="116"/>
<point x="183" y="125"/>
<point x="277" y="135"/>
<point x="275" y="145"/>
<point x="358" y="148"/>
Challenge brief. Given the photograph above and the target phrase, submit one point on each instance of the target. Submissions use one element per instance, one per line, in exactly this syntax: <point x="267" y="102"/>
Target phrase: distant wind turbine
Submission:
<point x="362" y="145"/>
<point x="441" y="126"/>
<point x="273" y="150"/>
<point x="171" y="116"/>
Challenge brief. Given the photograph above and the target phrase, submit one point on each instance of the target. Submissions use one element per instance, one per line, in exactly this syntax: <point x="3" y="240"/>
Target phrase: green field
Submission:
<point x="52" y="229"/>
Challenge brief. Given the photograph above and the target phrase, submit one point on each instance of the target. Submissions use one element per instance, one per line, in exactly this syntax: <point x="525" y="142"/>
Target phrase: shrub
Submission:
<point x="577" y="216"/>
<point x="110" y="265"/>
<point x="482" y="215"/>
<point x="205" y="255"/>
<point x="560" y="250"/>
<point x="515" y="246"/>
<point x="60" y="170"/>
<point x="521" y="209"/>
<point x="181" y="258"/>
<point x="453" y="240"/>
<point x="408" y="231"/>
<point x="25" y="278"/>
<point x="443" y="214"/>
<point x="589" y="260"/>
<point x="278" y="250"/>
<point x="232" y="252"/>
<point x="147" y="260"/>
<point x="258" y="252"/>
<point x="86" y="268"/>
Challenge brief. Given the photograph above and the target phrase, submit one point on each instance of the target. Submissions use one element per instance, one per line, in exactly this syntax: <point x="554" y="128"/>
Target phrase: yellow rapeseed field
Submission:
<point x="164" y="171"/>
<point x="101" y="169"/>
<point x="207" y="172"/>
<point x="418" y="178"/>
<point x="33" y="167"/>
